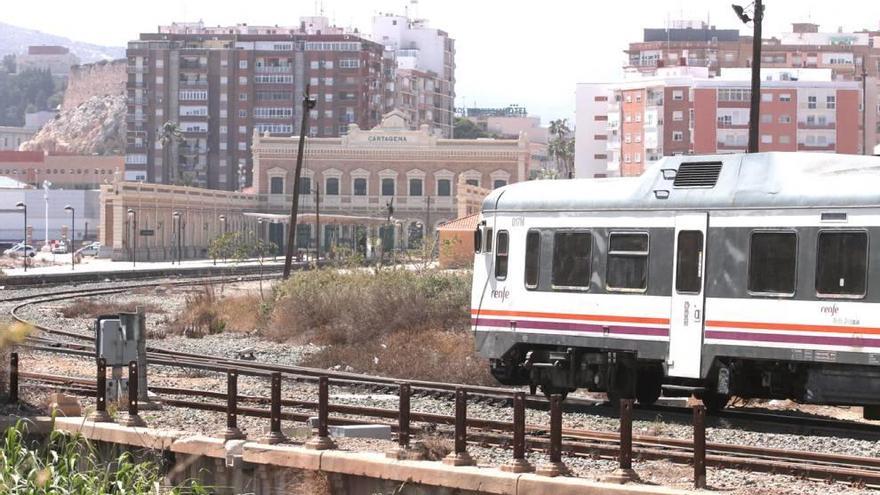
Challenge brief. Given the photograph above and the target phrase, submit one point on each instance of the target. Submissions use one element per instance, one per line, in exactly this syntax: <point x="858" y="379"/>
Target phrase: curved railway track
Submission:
<point x="852" y="469"/>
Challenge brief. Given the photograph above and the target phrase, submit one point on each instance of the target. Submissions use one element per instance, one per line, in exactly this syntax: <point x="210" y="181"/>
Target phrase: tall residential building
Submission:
<point x="221" y="85"/>
<point x="625" y="126"/>
<point x="848" y="55"/>
<point x="424" y="75"/>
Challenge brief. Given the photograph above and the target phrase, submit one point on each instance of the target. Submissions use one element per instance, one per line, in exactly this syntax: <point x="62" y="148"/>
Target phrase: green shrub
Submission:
<point x="68" y="464"/>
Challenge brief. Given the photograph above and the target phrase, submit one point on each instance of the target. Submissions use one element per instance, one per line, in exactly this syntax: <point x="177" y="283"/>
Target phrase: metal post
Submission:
<point x="755" y="110"/>
<point x="625" y="458"/>
<point x="518" y="464"/>
<point x="132" y="418"/>
<point x="699" y="446"/>
<point x="460" y="457"/>
<point x="403" y="418"/>
<point x="232" y="430"/>
<point x="307" y="104"/>
<point x="72" y="239"/>
<point x="100" y="414"/>
<point x="555" y="467"/>
<point x="322" y="440"/>
<point x="275" y="436"/>
<point x="865" y="150"/>
<point x="13" y="378"/>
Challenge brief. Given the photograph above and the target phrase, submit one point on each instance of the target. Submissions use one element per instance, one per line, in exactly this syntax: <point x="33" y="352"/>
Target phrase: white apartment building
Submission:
<point x="425" y="76"/>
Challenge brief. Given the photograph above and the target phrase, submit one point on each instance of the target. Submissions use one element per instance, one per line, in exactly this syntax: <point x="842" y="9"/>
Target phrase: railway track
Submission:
<point x="859" y="471"/>
<point x="497" y="395"/>
<point x="856" y="470"/>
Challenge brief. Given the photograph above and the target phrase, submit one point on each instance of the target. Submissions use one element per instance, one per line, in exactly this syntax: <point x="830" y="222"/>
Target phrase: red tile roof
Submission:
<point x="468" y="223"/>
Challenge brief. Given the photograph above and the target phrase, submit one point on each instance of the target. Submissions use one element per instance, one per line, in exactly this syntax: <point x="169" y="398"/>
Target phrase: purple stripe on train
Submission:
<point x="794" y="339"/>
<point x="572" y="327"/>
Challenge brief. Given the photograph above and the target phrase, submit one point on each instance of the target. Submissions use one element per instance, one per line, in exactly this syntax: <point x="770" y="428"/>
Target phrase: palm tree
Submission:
<point x="561" y="147"/>
<point x="169" y="134"/>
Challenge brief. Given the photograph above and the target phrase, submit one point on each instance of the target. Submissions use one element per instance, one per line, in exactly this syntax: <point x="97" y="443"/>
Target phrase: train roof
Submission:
<point x="733" y="181"/>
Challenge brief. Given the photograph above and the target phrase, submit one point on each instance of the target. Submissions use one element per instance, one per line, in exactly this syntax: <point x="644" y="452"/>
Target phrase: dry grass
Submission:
<point x="200" y="315"/>
<point x="90" y="308"/>
<point x="243" y="313"/>
<point x="399" y="323"/>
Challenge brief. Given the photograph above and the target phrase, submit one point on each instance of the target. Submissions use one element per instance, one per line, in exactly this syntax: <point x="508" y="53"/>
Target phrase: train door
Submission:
<point x="688" y="295"/>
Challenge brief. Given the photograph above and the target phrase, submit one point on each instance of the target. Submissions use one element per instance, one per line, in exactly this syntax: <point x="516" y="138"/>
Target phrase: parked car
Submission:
<point x="90" y="249"/>
<point x="19" y="249"/>
<point x="60" y="248"/>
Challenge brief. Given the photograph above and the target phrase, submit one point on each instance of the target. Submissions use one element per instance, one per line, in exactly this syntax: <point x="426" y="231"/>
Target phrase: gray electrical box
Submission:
<point x="114" y="343"/>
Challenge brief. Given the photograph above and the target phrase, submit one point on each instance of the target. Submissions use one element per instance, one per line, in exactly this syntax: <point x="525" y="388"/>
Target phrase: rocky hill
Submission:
<point x="15" y="40"/>
<point x="95" y="126"/>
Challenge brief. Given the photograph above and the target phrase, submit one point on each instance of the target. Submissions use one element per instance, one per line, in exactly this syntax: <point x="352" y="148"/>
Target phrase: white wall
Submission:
<point x="587" y="127"/>
<point x="12" y="220"/>
<point x="395" y="32"/>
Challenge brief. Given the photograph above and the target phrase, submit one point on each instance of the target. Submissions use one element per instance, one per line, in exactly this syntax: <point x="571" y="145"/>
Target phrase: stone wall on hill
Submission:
<point x="98" y="79"/>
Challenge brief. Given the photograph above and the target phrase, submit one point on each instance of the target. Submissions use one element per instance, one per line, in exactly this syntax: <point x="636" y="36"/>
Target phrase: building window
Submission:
<point x="242" y="64"/>
<point x="785" y="97"/>
<point x="677" y="116"/>
<point x="766" y="138"/>
<point x="772" y="262"/>
<point x="315" y="64"/>
<point x="415" y="187"/>
<point x="444" y="187"/>
<point x="331" y="188"/>
<point x="842" y="260"/>
<point x="678" y="95"/>
<point x="360" y="187"/>
<point x="627" y="267"/>
<point x="637" y="158"/>
<point x="767" y="118"/>
<point x="629" y="98"/>
<point x="387" y="187"/>
<point x="473" y="182"/>
<point x="242" y="97"/>
<point x="571" y="260"/>
<point x="305" y="185"/>
<point x="533" y="259"/>
<point x="830" y="102"/>
<point x="767" y="97"/>
<point x="677" y="136"/>
<point x="499" y="183"/>
<point x="501" y="246"/>
<point x="811" y="102"/>
<point x="785" y="119"/>
<point x="784" y="139"/>
<point x="242" y="114"/>
<point x="627" y="138"/>
<point x="276" y="185"/>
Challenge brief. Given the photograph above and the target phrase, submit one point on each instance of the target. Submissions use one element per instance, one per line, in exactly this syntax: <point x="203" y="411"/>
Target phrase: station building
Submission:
<point x="366" y="172"/>
<point x="379" y="189"/>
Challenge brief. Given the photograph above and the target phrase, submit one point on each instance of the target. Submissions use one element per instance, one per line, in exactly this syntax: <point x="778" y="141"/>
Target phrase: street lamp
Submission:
<point x="176" y="217"/>
<point x="757" y="19"/>
<point x="72" y="211"/>
<point x="133" y="228"/>
<point x="46" y="186"/>
<point x="21" y="206"/>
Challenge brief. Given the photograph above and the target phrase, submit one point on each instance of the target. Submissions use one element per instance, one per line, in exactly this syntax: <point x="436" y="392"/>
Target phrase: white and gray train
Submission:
<point x="747" y="275"/>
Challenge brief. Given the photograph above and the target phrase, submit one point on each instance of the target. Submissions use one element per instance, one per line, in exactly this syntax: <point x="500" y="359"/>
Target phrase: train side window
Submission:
<point x="488" y="248"/>
<point x="533" y="259"/>
<point x="627" y="268"/>
<point x="841" y="264"/>
<point x="501" y="255"/>
<point x="571" y="260"/>
<point x="773" y="262"/>
<point x="689" y="261"/>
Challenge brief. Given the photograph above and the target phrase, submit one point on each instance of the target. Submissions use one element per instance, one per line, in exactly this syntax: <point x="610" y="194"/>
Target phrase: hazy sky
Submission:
<point x="530" y="53"/>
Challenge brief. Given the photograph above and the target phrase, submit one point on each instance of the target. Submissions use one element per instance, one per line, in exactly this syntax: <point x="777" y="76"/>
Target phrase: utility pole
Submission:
<point x="307" y="104"/>
<point x="755" y="109"/>
<point x="317" y="223"/>
<point x="427" y="237"/>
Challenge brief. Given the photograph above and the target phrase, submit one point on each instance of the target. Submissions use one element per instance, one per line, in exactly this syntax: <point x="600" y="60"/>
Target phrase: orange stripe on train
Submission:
<point x="793" y="327"/>
<point x="568" y="316"/>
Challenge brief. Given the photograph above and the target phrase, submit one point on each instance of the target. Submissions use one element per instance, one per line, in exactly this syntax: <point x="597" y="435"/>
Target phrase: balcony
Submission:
<point x="192" y="65"/>
<point x="816" y="147"/>
<point x="817" y="125"/>
<point x="138" y="69"/>
<point x="732" y="125"/>
<point x="133" y="118"/>
<point x="274" y="69"/>
<point x="194" y="83"/>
